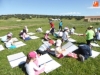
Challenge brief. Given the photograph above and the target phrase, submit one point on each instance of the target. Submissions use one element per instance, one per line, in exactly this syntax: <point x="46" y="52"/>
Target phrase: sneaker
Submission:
<point x="81" y="57"/>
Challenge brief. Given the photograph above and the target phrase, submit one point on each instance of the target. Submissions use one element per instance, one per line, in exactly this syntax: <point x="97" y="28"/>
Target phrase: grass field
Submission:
<point x="69" y="66"/>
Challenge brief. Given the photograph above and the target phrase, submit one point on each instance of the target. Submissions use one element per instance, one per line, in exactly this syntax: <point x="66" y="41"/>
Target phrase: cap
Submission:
<point x="32" y="54"/>
<point x="91" y="26"/>
<point x="9" y="34"/>
<point x="51" y="41"/>
<point x="58" y="42"/>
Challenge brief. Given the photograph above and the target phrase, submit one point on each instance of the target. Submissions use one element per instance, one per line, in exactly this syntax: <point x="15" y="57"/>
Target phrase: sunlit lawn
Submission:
<point x="69" y="66"/>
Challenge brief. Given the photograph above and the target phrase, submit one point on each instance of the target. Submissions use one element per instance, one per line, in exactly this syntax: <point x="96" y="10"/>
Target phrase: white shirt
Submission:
<point x="44" y="46"/>
<point x="31" y="67"/>
<point x="9" y="43"/>
<point x="72" y="30"/>
<point x="58" y="51"/>
<point x="65" y="35"/>
<point x="60" y="34"/>
<point x="25" y="35"/>
<point x="39" y="30"/>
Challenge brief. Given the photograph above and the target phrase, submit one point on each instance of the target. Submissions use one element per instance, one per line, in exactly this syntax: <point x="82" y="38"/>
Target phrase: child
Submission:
<point x="31" y="67"/>
<point x="9" y="43"/>
<point x="65" y="34"/>
<point x="98" y="35"/>
<point x="25" y="28"/>
<point x="72" y="30"/>
<point x="45" y="48"/>
<point x="39" y="29"/>
<point x="4" y="38"/>
<point x="58" y="50"/>
<point x="46" y="36"/>
<point x="25" y="36"/>
<point x="84" y="52"/>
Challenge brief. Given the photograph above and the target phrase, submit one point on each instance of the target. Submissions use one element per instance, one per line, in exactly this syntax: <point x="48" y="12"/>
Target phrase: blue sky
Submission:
<point x="49" y="7"/>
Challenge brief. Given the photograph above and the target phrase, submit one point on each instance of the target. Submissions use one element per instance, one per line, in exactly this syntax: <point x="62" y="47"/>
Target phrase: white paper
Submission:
<point x="34" y="37"/>
<point x="14" y="39"/>
<point x="19" y="44"/>
<point x="1" y="48"/>
<point x="69" y="47"/>
<point x="95" y="54"/>
<point x="50" y="63"/>
<point x="16" y="59"/>
<point x="71" y="40"/>
<point x="30" y="33"/>
<point x="95" y="45"/>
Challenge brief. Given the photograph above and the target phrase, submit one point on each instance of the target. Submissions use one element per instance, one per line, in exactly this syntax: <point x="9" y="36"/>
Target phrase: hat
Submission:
<point x="51" y="41"/>
<point x="91" y="26"/>
<point x="47" y="31"/>
<point x="58" y="42"/>
<point x="65" y="28"/>
<point x="32" y="54"/>
<point x="9" y="34"/>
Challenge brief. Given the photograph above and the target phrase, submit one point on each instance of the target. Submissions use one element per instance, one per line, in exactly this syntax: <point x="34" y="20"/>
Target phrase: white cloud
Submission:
<point x="94" y="7"/>
<point x="71" y="13"/>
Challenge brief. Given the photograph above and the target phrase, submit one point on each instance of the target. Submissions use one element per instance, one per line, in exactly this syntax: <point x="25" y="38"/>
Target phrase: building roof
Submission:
<point x="92" y="16"/>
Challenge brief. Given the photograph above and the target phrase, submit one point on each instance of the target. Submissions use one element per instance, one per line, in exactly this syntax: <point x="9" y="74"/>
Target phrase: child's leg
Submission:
<point x="39" y="72"/>
<point x="12" y="47"/>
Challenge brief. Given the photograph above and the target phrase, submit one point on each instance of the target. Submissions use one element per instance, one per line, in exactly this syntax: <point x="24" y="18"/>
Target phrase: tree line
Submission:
<point x="30" y="16"/>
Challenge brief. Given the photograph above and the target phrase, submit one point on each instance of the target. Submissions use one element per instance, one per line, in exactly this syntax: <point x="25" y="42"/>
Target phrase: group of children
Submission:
<point x="32" y="66"/>
<point x="84" y="50"/>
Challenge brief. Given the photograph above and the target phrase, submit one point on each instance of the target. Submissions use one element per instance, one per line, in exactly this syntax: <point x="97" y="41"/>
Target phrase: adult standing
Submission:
<point x="52" y="28"/>
<point x="60" y="25"/>
<point x="89" y="35"/>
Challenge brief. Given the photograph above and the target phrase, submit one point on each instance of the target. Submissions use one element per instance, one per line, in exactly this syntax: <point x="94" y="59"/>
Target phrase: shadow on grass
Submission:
<point x="22" y="66"/>
<point x="79" y="43"/>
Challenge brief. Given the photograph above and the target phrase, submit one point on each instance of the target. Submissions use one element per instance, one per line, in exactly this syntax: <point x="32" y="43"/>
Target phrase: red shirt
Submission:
<point x="52" y="25"/>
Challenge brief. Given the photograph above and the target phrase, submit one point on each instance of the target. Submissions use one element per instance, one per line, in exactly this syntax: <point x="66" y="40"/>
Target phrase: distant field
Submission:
<point x="70" y="66"/>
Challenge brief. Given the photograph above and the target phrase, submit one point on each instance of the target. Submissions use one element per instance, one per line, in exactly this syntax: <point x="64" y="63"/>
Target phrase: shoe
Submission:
<point x="81" y="57"/>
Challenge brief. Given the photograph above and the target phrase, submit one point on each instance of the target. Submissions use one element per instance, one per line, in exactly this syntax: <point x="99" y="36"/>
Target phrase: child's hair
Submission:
<point x="24" y="30"/>
<point x="28" y="59"/>
<point x="74" y="28"/>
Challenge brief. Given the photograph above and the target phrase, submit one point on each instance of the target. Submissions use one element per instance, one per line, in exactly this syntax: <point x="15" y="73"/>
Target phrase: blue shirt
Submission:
<point x="60" y="24"/>
<point x="85" y="49"/>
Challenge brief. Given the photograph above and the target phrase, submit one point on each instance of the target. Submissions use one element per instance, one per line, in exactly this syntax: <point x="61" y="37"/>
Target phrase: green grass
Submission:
<point x="69" y="66"/>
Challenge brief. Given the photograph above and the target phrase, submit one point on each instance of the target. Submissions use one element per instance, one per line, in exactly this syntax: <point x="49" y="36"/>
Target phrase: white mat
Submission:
<point x="19" y="44"/>
<point x="77" y="34"/>
<point x="71" y="40"/>
<point x="95" y="54"/>
<point x="1" y="48"/>
<point x="69" y="47"/>
<point x="16" y="59"/>
<point x="30" y="33"/>
<point x="14" y="39"/>
<point x="50" y="63"/>
<point x="34" y="37"/>
<point x="95" y="45"/>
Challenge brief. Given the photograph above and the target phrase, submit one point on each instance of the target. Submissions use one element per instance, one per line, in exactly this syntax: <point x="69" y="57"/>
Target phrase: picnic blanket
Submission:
<point x="16" y="59"/>
<point x="51" y="64"/>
